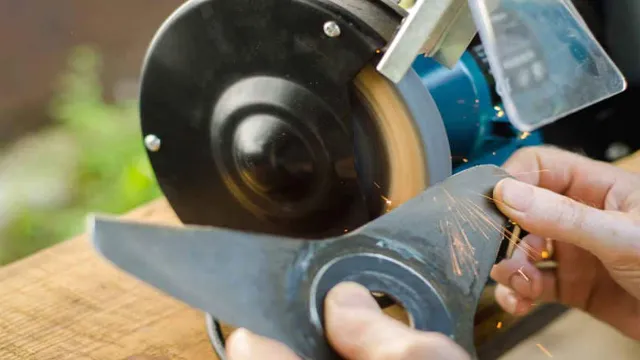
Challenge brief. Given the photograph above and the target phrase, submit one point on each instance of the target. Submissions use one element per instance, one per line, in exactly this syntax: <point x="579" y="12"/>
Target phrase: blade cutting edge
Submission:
<point x="189" y="264"/>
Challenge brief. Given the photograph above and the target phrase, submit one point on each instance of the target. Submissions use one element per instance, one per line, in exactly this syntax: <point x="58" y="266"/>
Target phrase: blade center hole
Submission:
<point x="393" y="308"/>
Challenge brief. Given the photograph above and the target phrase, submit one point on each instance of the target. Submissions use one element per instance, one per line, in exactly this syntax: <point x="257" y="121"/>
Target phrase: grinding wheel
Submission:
<point x="416" y="146"/>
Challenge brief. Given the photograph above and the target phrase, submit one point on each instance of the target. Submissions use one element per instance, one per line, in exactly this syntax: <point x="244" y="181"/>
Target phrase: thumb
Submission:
<point x="358" y="330"/>
<point x="550" y="215"/>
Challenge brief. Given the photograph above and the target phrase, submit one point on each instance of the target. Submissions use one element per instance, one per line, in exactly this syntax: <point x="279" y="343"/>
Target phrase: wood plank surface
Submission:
<point x="576" y="336"/>
<point x="66" y="302"/>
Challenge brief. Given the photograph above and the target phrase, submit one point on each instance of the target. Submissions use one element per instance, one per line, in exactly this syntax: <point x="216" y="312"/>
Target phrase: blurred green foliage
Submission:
<point x="112" y="173"/>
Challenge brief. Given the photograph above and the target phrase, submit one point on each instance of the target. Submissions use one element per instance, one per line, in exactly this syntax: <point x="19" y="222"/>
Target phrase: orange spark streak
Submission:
<point x="528" y="249"/>
<point x="482" y="215"/>
<point x="464" y="236"/>
<point x="454" y="256"/>
<point x="459" y="237"/>
<point x="492" y="199"/>
<point x="544" y="350"/>
<point x="523" y="275"/>
<point x="471" y="219"/>
<point x="475" y="222"/>
<point x="461" y="215"/>
<point x="487" y="221"/>
<point x="462" y="251"/>
<point x="457" y="208"/>
<point x="467" y="242"/>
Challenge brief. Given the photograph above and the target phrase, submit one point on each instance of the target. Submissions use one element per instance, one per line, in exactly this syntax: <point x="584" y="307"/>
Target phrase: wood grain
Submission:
<point x="66" y="302"/>
<point x="576" y="335"/>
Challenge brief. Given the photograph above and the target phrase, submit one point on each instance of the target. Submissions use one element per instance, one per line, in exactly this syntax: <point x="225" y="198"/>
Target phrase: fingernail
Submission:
<point x="515" y="194"/>
<point x="238" y="343"/>
<point x="350" y="296"/>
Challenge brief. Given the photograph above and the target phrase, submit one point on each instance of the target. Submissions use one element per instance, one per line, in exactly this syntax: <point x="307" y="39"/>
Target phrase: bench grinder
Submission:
<point x="308" y="142"/>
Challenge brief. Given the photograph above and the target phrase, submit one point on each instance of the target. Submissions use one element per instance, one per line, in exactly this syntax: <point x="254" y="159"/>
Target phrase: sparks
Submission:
<point x="528" y="249"/>
<point x="544" y="350"/>
<point x="524" y="135"/>
<point x="475" y="220"/>
<point x="499" y="326"/>
<point x="462" y="252"/>
<point x="454" y="256"/>
<point x="523" y="274"/>
<point x="467" y="213"/>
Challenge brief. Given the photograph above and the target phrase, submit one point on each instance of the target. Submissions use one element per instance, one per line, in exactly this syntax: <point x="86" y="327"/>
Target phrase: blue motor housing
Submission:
<point x="478" y="129"/>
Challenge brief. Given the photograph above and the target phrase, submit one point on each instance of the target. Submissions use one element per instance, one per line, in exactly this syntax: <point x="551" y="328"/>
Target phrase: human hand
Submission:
<point x="357" y="329"/>
<point x="592" y="211"/>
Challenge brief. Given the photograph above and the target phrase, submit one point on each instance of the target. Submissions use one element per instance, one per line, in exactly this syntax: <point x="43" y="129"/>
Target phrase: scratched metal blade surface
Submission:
<point x="459" y="216"/>
<point x="453" y="231"/>
<point x="204" y="267"/>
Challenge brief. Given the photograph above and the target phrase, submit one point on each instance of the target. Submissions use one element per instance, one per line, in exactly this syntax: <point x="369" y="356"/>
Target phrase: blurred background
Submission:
<point x="69" y="133"/>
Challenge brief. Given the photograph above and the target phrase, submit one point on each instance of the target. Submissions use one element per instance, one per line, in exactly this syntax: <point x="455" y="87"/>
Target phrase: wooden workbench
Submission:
<point x="67" y="303"/>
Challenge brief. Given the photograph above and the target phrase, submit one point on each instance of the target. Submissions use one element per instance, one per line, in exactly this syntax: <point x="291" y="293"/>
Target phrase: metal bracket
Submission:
<point x="437" y="28"/>
<point x="433" y="254"/>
